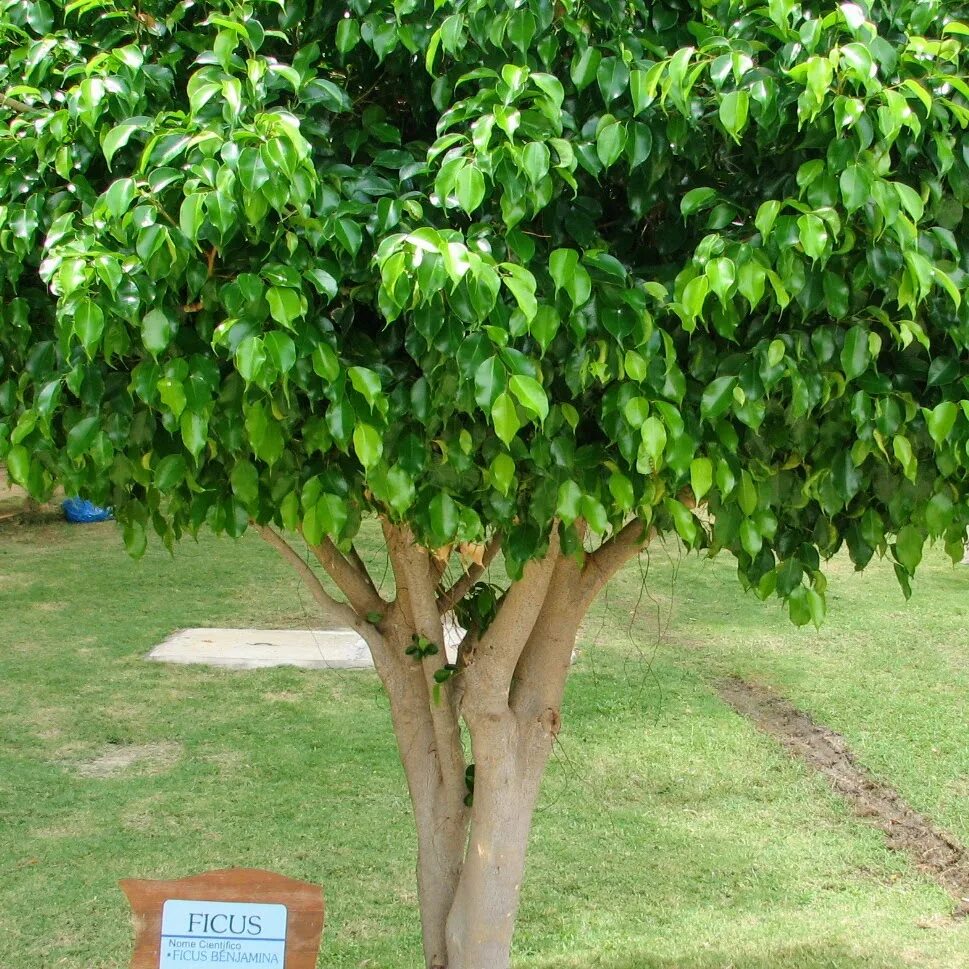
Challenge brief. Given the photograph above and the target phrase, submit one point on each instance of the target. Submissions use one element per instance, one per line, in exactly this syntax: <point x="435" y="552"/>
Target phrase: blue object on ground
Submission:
<point x="81" y="512"/>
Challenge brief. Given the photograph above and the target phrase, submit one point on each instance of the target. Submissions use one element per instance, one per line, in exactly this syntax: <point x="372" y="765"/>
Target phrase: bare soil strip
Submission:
<point x="934" y="852"/>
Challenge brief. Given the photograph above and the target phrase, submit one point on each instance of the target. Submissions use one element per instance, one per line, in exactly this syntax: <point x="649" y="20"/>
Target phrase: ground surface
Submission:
<point x="672" y="834"/>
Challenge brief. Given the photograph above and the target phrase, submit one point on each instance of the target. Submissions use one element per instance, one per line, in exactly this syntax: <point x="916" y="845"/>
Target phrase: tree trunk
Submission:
<point x="507" y="687"/>
<point x="509" y="761"/>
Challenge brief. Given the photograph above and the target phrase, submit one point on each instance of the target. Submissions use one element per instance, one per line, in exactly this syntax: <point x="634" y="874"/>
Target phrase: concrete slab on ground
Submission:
<point x="247" y="649"/>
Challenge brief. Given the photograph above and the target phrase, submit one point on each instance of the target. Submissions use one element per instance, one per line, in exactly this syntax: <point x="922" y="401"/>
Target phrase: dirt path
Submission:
<point x="934" y="852"/>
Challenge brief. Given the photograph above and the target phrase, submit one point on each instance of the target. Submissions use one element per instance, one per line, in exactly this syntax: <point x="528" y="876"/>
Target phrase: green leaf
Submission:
<point x="327" y="516"/>
<point x="18" y="464"/>
<point x="610" y="143"/>
<point x="683" y="520"/>
<point x="250" y="358"/>
<point x="531" y="395"/>
<point x="469" y="188"/>
<point x="837" y="295"/>
<point x="747" y="496"/>
<point x="813" y="234"/>
<point x="157" y="331"/>
<point x="636" y="411"/>
<point x="505" y="418"/>
<point x="244" y="480"/>
<point x="585" y="64"/>
<point x="400" y="489"/>
<point x="522" y="285"/>
<point x="367" y="383"/>
<point x="170" y="473"/>
<point x="750" y="537"/>
<point x="766" y="216"/>
<point x="717" y="397"/>
<point x="697" y="199"/>
<point x="854" y="354"/>
<point x="734" y="109"/>
<point x="902" y="449"/>
<point x="908" y="548"/>
<point x="368" y="445"/>
<point x="503" y="472"/>
<point x="347" y="35"/>
<point x="910" y="199"/>
<point x="855" y="187"/>
<point x="325" y="362"/>
<point x="654" y="437"/>
<point x="191" y="215"/>
<point x="635" y="365"/>
<point x="642" y="87"/>
<point x="119" y="196"/>
<point x="595" y="514"/>
<point x="701" y="476"/>
<point x="569" y="504"/>
<point x="561" y="266"/>
<point x="115" y="139"/>
<point x="613" y="77"/>
<point x="285" y="305"/>
<point x="280" y="350"/>
<point x="490" y="381"/>
<point x="194" y="428"/>
<point x="722" y="274"/>
<point x="444" y="516"/>
<point x="88" y="324"/>
<point x="621" y="489"/>
<point x="940" y="420"/>
<point x="349" y="235"/>
<point x="536" y="159"/>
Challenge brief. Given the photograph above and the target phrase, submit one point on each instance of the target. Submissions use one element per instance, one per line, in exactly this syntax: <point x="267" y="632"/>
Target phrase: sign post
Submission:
<point x="235" y="917"/>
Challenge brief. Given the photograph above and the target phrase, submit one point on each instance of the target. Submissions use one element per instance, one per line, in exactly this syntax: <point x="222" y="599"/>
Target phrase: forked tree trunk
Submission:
<point x="507" y="690"/>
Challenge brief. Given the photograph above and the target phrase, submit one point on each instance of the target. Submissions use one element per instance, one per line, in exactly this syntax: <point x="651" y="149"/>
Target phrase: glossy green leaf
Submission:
<point x="157" y="331"/>
<point x="734" y="111"/>
<point x="854" y="354"/>
<point x="941" y="419"/>
<point x="88" y="324"/>
<point x="505" y="418"/>
<point x="701" y="476"/>
<point x="469" y="188"/>
<point x="530" y="395"/>
<point x="367" y="444"/>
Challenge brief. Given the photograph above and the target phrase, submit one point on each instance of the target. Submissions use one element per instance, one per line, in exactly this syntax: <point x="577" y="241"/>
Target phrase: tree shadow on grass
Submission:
<point x="795" y="957"/>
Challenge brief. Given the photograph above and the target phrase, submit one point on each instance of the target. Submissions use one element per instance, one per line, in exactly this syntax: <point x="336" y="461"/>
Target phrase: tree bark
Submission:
<point x="510" y="758"/>
<point x="440" y="814"/>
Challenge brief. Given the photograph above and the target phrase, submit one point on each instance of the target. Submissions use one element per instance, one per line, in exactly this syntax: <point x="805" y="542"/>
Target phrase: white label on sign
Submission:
<point x="223" y="934"/>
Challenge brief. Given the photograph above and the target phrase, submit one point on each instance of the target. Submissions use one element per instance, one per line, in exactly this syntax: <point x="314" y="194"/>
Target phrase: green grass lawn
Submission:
<point x="671" y="835"/>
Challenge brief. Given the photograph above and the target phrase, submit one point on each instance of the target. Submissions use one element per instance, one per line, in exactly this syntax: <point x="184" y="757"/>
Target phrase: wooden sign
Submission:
<point x="235" y="917"/>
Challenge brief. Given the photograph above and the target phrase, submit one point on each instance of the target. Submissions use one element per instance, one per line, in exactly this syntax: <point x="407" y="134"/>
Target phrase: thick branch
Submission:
<point x="351" y="579"/>
<point x="489" y="673"/>
<point x="543" y="666"/>
<point x="416" y="583"/>
<point x="602" y="564"/>
<point x="463" y="585"/>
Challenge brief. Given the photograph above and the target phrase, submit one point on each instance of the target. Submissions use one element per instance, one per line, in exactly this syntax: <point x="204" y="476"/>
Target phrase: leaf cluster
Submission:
<point x="482" y="265"/>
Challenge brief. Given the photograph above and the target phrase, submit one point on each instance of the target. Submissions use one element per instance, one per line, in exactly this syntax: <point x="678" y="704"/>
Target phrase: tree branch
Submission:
<point x="339" y="610"/>
<point x="464" y="583"/>
<point x="602" y="564"/>
<point x="12" y="104"/>
<point x="489" y="672"/>
<point x="416" y="581"/>
<point x="351" y="579"/>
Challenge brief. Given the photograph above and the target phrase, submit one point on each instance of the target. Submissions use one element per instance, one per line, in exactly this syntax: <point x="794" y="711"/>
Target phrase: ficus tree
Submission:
<point x="519" y="277"/>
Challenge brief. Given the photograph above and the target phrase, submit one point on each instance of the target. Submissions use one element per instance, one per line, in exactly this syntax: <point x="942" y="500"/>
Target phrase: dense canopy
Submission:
<point x="484" y="265"/>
